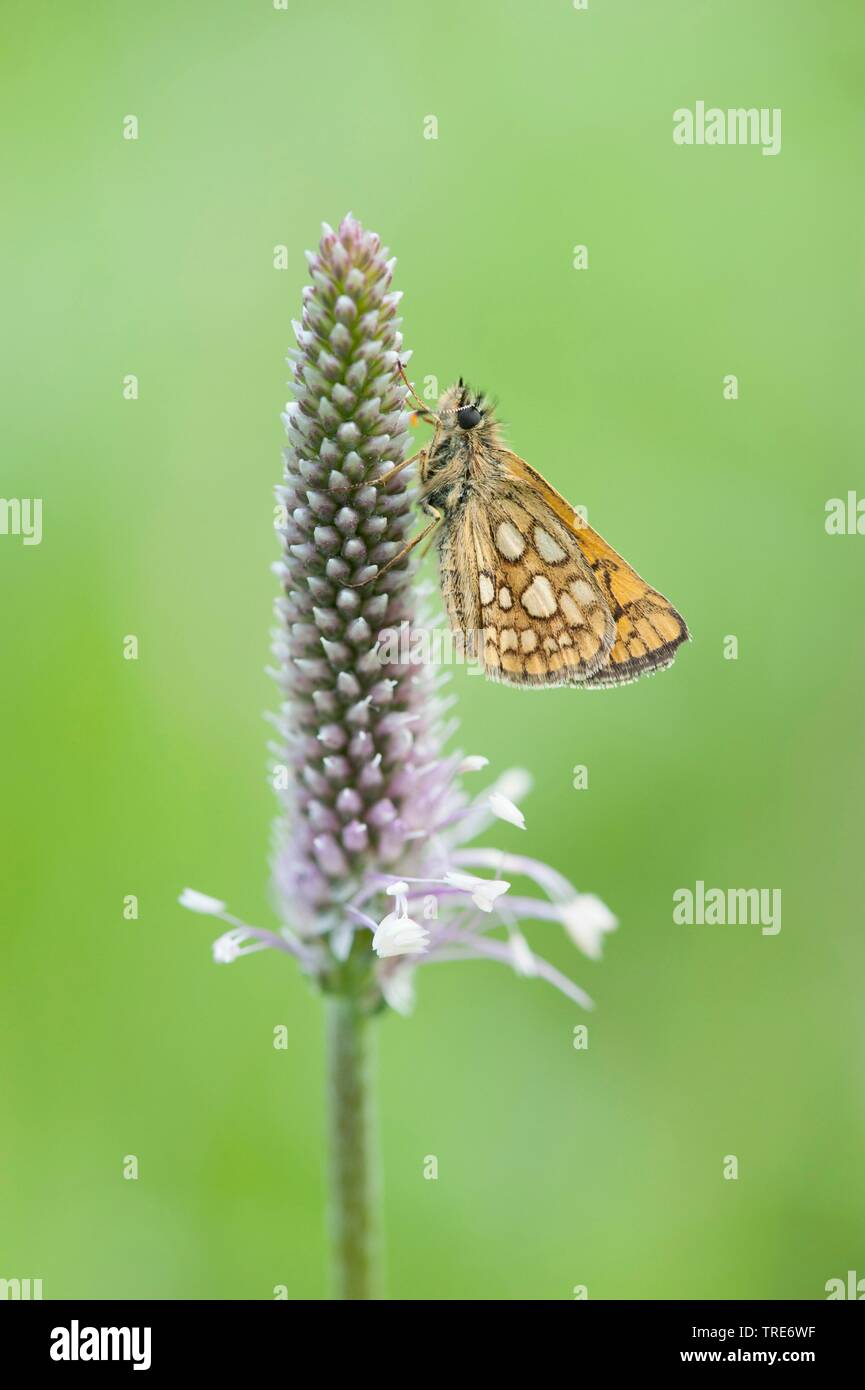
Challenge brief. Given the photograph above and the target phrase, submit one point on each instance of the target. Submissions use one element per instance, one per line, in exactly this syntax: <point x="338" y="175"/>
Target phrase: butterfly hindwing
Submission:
<point x="648" y="627"/>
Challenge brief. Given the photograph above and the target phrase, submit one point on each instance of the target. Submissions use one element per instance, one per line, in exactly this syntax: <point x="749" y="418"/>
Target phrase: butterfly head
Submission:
<point x="462" y="411"/>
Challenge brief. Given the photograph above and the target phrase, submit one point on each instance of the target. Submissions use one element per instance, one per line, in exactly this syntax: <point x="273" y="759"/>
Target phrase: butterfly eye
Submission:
<point x="468" y="417"/>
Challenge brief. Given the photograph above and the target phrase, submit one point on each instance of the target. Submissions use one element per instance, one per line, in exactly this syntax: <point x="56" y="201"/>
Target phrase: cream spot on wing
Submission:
<point x="528" y="639"/>
<point x="572" y="612"/>
<point x="538" y="599"/>
<point x="488" y="593"/>
<point x="598" y="621"/>
<point x="508" y="639"/>
<point x="505" y="599"/>
<point x="550" y="644"/>
<point x="564" y="640"/>
<point x="509" y="540"/>
<point x="583" y="591"/>
<point x="548" y="548"/>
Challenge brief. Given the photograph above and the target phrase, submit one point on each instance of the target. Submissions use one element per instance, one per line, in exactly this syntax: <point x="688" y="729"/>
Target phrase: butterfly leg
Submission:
<point x="423" y="410"/>
<point x="430" y="531"/>
<point x="438" y="518"/>
<point x="392" y="472"/>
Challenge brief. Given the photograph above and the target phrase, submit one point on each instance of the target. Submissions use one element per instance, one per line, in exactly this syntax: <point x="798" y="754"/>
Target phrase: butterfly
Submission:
<point x="540" y="598"/>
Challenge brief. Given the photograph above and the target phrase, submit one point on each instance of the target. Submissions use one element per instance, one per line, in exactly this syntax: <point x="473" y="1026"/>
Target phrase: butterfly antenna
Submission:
<point x="421" y="409"/>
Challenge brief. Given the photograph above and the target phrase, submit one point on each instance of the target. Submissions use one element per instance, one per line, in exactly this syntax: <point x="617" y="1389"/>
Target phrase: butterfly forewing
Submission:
<point x="513" y="574"/>
<point x="648" y="629"/>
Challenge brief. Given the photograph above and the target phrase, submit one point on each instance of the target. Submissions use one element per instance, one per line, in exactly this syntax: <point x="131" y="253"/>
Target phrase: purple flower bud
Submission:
<point x="349" y="803"/>
<point x="360" y="775"/>
<point x="355" y="837"/>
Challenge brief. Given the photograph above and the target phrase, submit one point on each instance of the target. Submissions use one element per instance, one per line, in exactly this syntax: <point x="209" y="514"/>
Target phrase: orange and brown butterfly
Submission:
<point x="539" y="597"/>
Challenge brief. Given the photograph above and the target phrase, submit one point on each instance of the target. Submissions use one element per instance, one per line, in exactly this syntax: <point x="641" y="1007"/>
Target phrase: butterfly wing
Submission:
<point x="517" y="585"/>
<point x="648" y="629"/>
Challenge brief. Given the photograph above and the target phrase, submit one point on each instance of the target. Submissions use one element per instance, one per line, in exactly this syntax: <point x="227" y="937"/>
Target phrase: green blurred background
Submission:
<point x="155" y="257"/>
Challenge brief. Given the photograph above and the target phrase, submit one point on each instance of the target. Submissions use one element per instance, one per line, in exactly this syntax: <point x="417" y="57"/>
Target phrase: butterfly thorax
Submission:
<point x="461" y="462"/>
<point x="455" y="466"/>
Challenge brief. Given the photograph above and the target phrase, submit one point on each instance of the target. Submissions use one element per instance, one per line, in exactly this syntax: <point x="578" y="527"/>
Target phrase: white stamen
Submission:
<point x="484" y="891"/>
<point x="505" y="809"/>
<point x="200" y="902"/>
<point x="230" y="945"/>
<point x="473" y="763"/>
<point x="398" y="935"/>
<point x="585" y="918"/>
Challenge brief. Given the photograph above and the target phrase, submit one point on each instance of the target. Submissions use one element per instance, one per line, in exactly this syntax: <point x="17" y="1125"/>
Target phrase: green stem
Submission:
<point x="354" y="1173"/>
